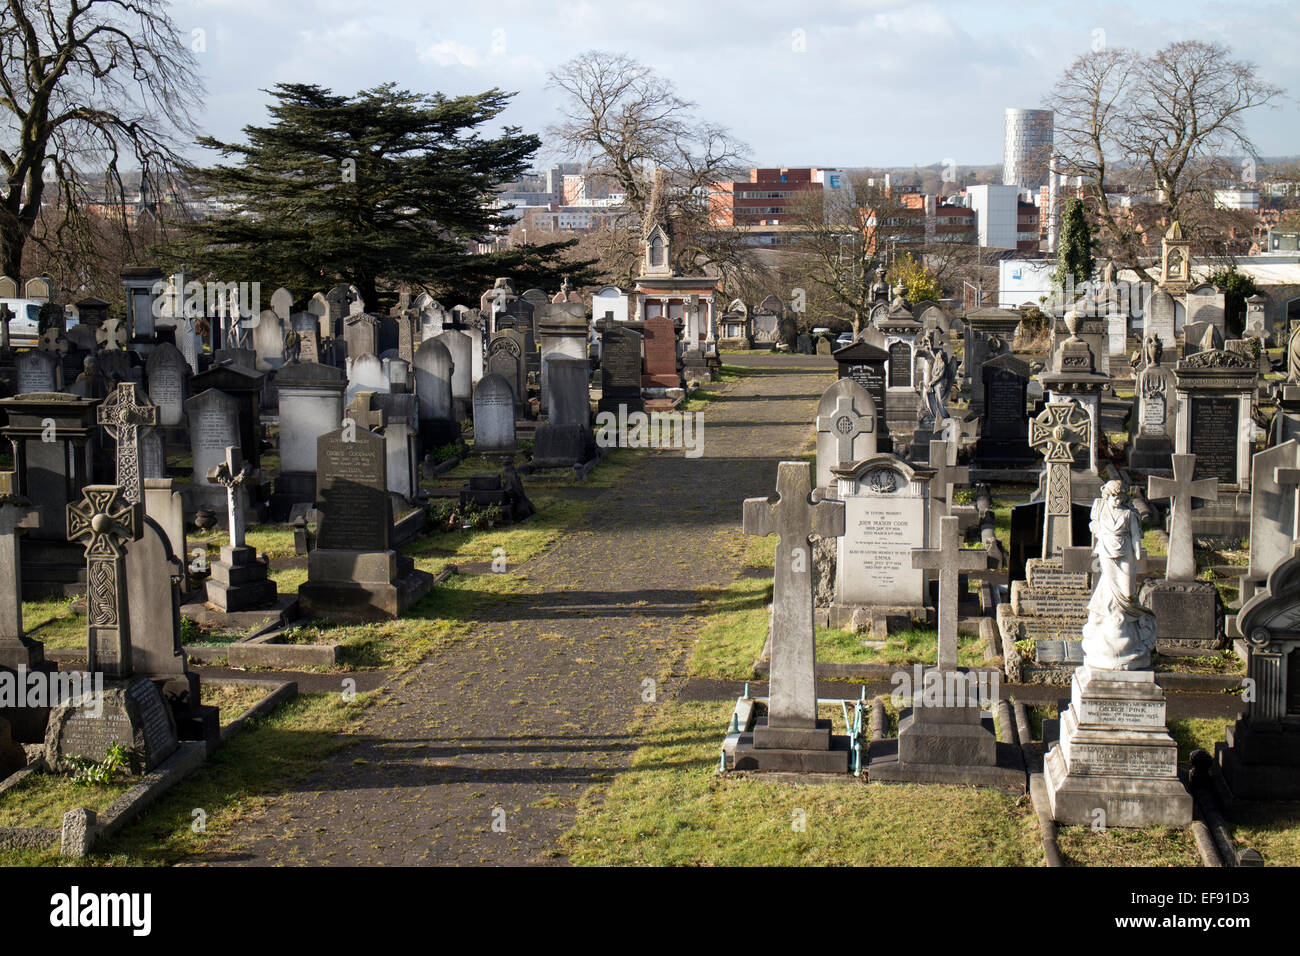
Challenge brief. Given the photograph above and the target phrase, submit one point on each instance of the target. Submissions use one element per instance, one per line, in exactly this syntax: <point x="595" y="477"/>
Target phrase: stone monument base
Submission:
<point x="1260" y="761"/>
<point x="946" y="745"/>
<point x="1188" y="613"/>
<point x="791" y="750"/>
<point x="292" y="488"/>
<point x="1151" y="454"/>
<point x="355" y="587"/>
<point x="1115" y="754"/>
<point x="562" y="446"/>
<point x="130" y="712"/>
<point x="239" y="581"/>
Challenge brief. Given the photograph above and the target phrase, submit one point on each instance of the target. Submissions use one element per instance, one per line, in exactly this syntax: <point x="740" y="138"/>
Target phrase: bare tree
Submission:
<point x="627" y="123"/>
<point x="1161" y="124"/>
<point x="86" y="86"/>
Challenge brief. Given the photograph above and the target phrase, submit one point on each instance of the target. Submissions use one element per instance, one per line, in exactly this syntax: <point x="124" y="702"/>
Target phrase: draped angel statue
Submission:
<point x="1120" y="633"/>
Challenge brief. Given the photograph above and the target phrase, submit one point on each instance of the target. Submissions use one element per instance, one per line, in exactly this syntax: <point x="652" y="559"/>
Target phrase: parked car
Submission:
<point x="845" y="338"/>
<point x="24" y="327"/>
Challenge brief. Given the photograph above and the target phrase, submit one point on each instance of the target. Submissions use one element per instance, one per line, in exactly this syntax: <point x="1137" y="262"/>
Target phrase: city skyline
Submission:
<point x="935" y="93"/>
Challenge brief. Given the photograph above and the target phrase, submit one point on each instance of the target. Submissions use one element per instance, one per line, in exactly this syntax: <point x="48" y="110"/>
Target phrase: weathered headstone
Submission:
<point x="166" y="372"/>
<point x="494" y="416"/>
<point x="16" y="516"/>
<point x="353" y="574"/>
<point x="660" y="344"/>
<point x="846" y="428"/>
<point x="620" y="369"/>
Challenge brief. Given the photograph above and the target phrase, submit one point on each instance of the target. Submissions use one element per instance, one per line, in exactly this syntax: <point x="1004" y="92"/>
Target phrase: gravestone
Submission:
<point x="943" y="737"/>
<point x="38" y="372"/>
<point x="1260" y="759"/>
<point x="166" y="372"/>
<point x="366" y="374"/>
<point x="886" y="518"/>
<point x="1206" y="306"/>
<point x="1189" y="613"/>
<point x="353" y="574"/>
<point x="1274" y="512"/>
<point x="846" y="428"/>
<point x="214" y="426"/>
<point x="792" y="737"/>
<point x="16" y="517"/>
<point x="239" y="579"/>
<point x="433" y="373"/>
<point x="1158" y="320"/>
<point x="989" y="334"/>
<point x="154" y="573"/>
<point x="1004" y="423"/>
<point x="565" y="439"/>
<point x="311" y="405"/>
<point x="127" y="416"/>
<point x="268" y="337"/>
<point x="865" y="364"/>
<point x="1155" y="414"/>
<point x="660" y="345"/>
<point x="494" y="417"/>
<point x="506" y="359"/>
<point x="361" y="335"/>
<point x="54" y="438"/>
<point x="460" y="347"/>
<point x="620" y="369"/>
<point x="244" y="384"/>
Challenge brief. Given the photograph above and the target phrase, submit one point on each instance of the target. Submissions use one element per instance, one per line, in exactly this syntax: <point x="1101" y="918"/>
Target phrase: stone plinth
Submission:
<point x="1051" y="604"/>
<point x="1188" y="613"/>
<point x="1116" y="755"/>
<point x="239" y="581"/>
<point x="360" y="586"/>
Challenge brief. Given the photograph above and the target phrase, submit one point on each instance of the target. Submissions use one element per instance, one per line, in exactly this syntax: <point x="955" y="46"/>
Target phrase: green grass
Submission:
<point x="43" y="798"/>
<point x="671" y="809"/>
<point x="1116" y="846"/>
<point x="264" y="760"/>
<point x="1271" y="828"/>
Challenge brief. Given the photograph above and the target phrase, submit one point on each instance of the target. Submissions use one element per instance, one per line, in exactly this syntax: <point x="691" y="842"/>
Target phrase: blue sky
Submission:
<point x="835" y="83"/>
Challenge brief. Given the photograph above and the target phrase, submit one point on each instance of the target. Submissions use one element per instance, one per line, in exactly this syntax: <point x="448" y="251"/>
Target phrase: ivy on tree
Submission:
<point x="1073" y="247"/>
<point x="373" y="189"/>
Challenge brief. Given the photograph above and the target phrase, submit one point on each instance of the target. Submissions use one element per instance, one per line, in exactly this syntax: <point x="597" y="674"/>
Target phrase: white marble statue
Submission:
<point x="1120" y="633"/>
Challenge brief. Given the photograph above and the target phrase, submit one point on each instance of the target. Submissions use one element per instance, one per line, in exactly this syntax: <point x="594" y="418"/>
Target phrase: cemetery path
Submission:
<point x="511" y="725"/>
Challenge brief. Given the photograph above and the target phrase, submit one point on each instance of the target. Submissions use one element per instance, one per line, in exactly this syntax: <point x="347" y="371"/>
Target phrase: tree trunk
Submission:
<point x="12" y="239"/>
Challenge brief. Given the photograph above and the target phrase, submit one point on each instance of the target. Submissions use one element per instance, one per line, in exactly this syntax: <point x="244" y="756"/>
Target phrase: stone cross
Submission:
<point x="52" y="340"/>
<point x="233" y="473"/>
<point x="949" y="559"/>
<point x="945" y="477"/>
<point x="793" y="516"/>
<point x="1181" y="490"/>
<point x="104" y="521"/>
<point x="1056" y="432"/>
<point x="16" y="516"/>
<point x="846" y="424"/>
<point x="122" y="414"/>
<point x="111" y="335"/>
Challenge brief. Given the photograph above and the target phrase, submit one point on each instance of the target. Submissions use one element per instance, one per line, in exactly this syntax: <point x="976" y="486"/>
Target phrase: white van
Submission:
<point x="25" y="325"/>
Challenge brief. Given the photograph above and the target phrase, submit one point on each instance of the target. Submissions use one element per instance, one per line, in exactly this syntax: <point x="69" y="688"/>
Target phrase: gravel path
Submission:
<point x="480" y="755"/>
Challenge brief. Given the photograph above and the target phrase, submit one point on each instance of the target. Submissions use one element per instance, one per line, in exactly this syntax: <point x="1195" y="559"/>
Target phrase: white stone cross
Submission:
<point x="793" y="516"/>
<point x="1180" y="564"/>
<point x="949" y="559"/>
<point x="846" y="424"/>
<point x="1056" y="432"/>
